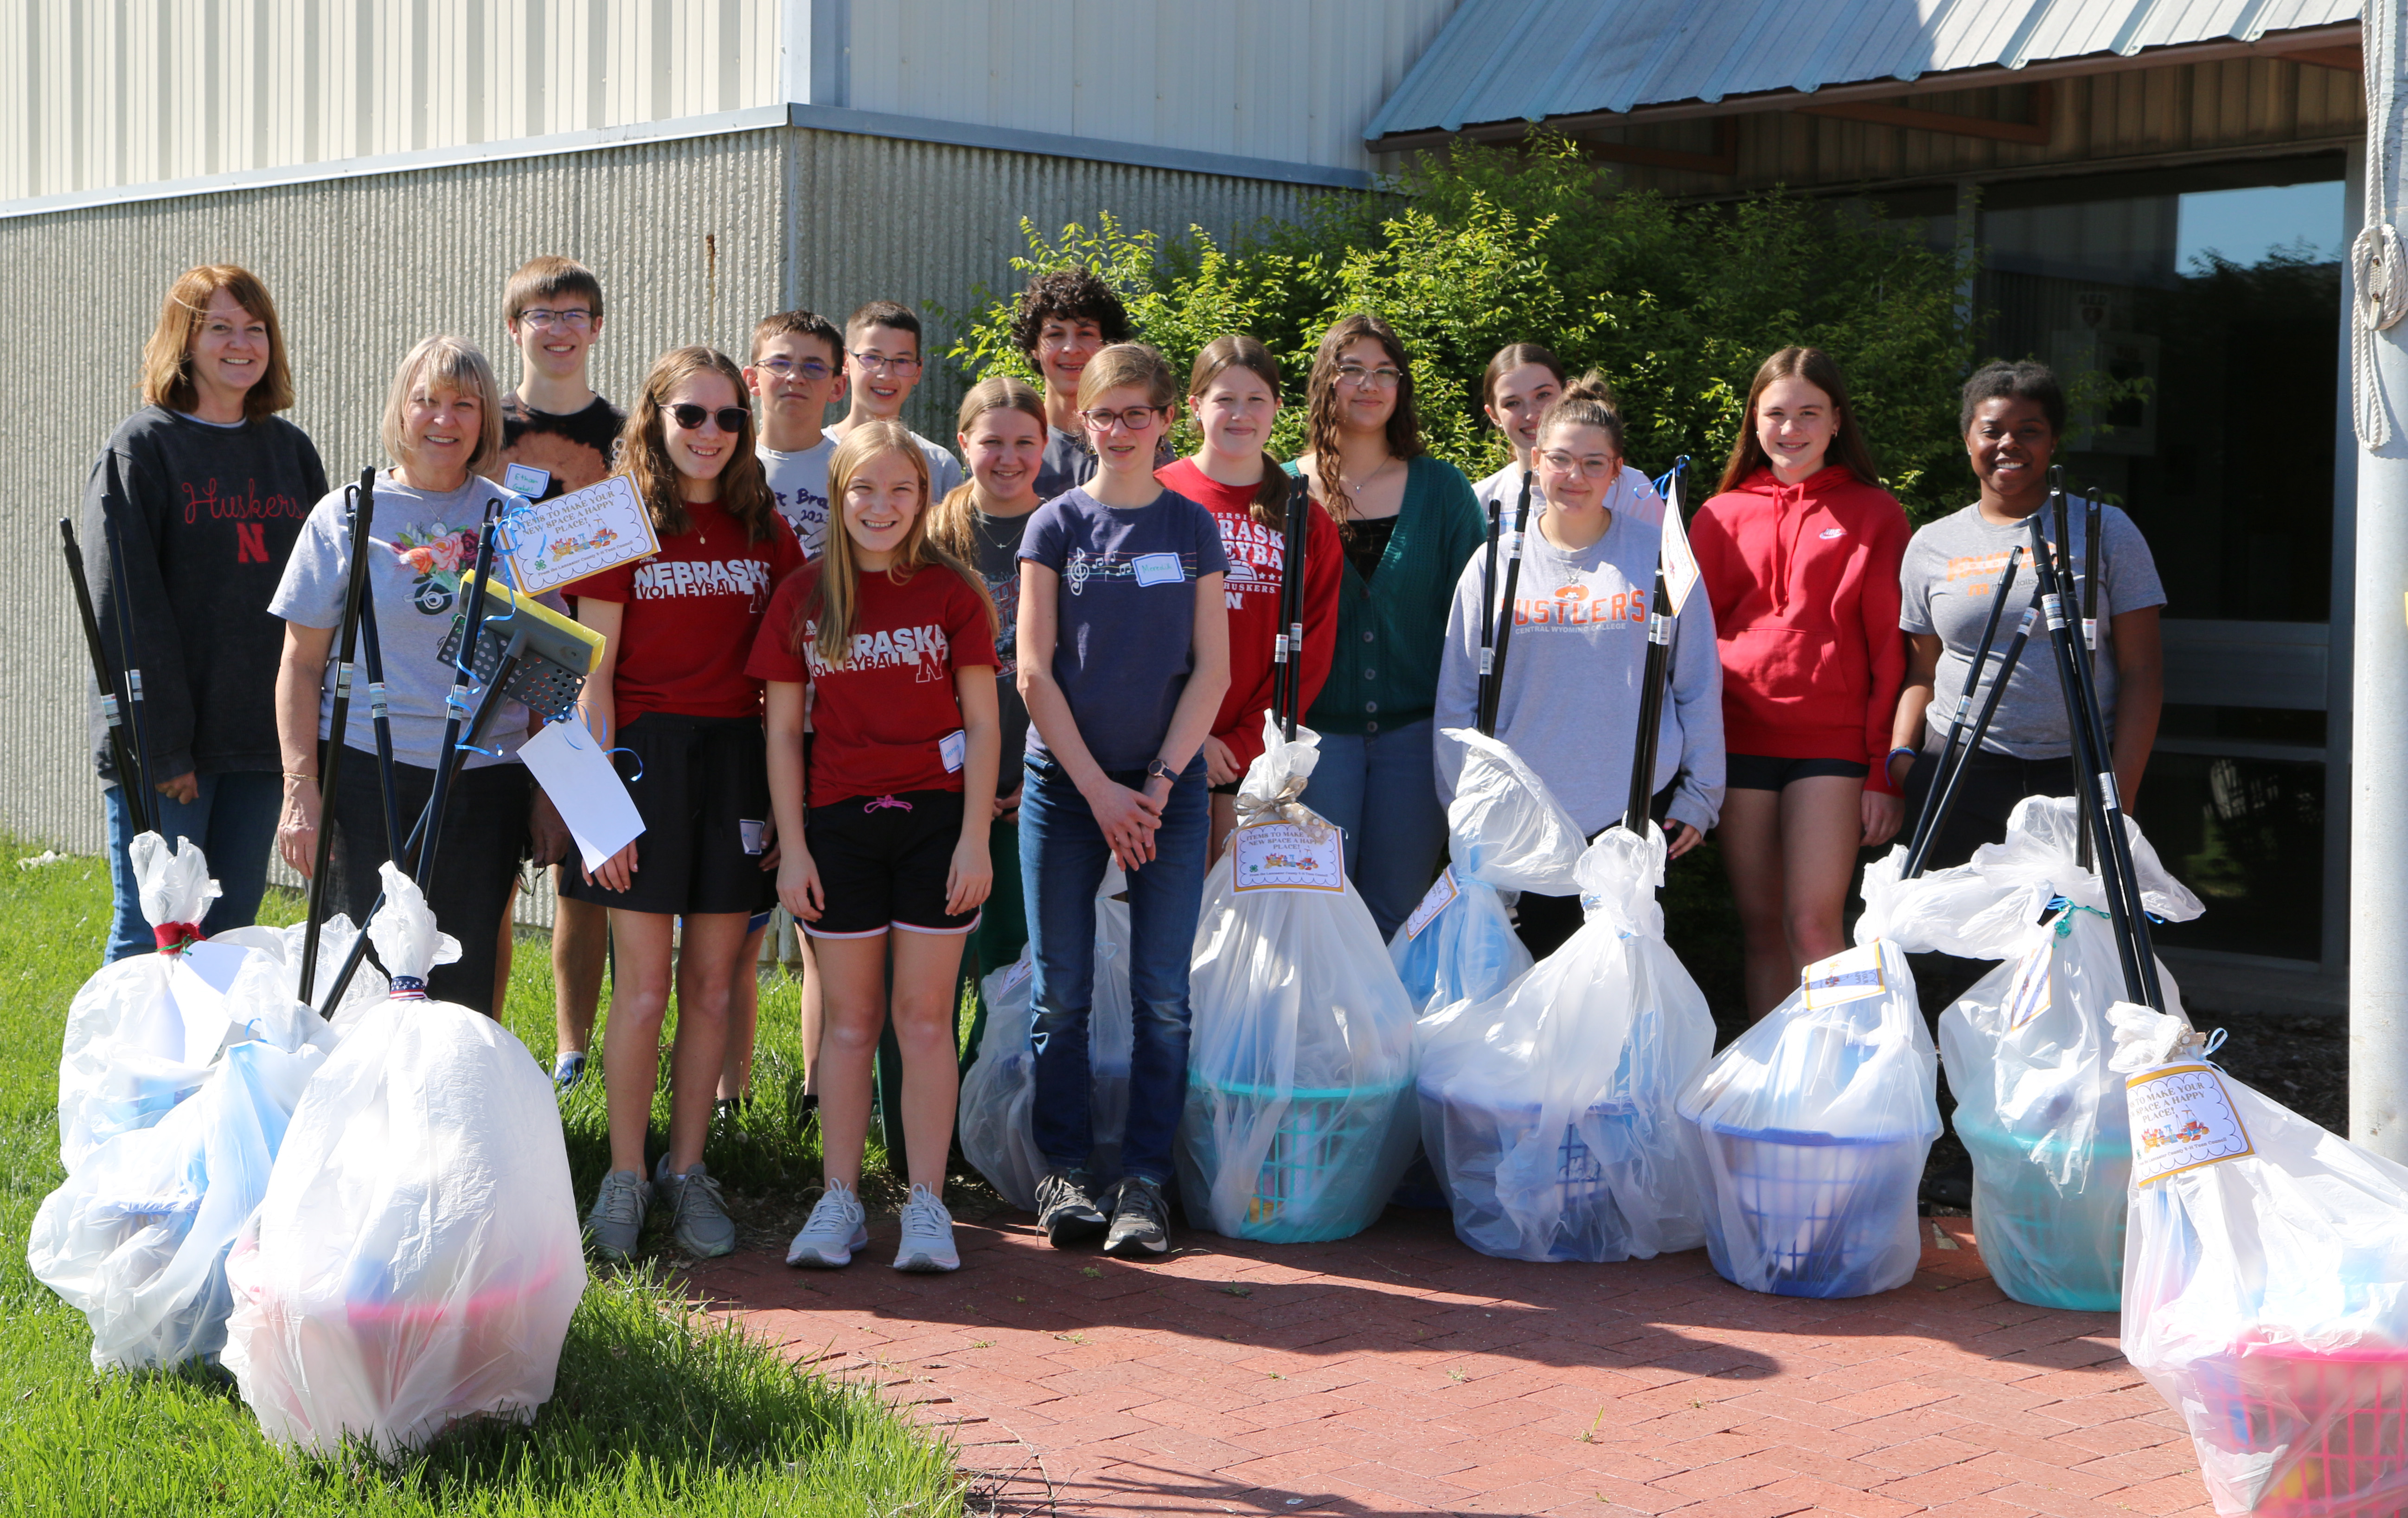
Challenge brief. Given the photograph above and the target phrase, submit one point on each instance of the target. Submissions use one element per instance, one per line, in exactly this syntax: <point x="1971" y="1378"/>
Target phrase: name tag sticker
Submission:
<point x="526" y="480"/>
<point x="754" y="833"/>
<point x="1442" y="893"/>
<point x="1286" y="856"/>
<point x="1848" y="976"/>
<point x="953" y="747"/>
<point x="2182" y="1119"/>
<point x="1157" y="568"/>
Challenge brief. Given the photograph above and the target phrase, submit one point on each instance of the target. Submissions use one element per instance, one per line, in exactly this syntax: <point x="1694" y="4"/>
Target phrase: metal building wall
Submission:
<point x="1287" y="80"/>
<point x="129" y="92"/>
<point x="694" y="239"/>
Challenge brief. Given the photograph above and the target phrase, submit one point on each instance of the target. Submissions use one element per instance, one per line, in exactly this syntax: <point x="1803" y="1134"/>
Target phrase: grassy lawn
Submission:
<point x="658" y="1410"/>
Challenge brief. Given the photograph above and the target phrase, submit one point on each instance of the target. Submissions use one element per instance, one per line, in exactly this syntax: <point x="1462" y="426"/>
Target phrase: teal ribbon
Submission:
<point x="2064" y="910"/>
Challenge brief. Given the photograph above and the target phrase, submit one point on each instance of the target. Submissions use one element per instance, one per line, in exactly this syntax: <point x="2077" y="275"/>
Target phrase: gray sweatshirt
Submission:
<point x="1569" y="706"/>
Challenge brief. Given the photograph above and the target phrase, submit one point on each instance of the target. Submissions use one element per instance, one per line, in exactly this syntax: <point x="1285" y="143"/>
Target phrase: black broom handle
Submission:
<point x="1924" y="822"/>
<point x="331" y="768"/>
<point x="105" y="679"/>
<point x="136" y="724"/>
<point x="1505" y="609"/>
<point x="1941" y="799"/>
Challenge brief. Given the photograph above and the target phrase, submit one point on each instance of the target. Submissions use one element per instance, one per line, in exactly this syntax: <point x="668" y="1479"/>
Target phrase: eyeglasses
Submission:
<point x="1135" y="418"/>
<point x="809" y="368"/>
<point x="1383" y="378"/>
<point x="576" y="319"/>
<point x="1595" y="467"/>
<point x="879" y="363"/>
<point x="690" y="416"/>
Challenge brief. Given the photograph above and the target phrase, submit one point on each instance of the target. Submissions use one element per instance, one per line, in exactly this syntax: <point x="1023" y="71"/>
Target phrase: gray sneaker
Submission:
<point x="834" y="1230"/>
<point x="618" y="1216"/>
<point x="1140" y="1223"/>
<point x="699" y="1218"/>
<point x="928" y="1242"/>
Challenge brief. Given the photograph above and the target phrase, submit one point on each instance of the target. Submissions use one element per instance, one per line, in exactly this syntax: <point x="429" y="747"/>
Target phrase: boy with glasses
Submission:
<point x="1066" y="317"/>
<point x="554" y="425"/>
<point x="882" y="366"/>
<point x="796" y="373"/>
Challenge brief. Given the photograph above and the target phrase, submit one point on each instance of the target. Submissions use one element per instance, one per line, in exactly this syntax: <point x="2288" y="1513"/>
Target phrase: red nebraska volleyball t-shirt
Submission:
<point x="886" y="720"/>
<point x="691" y="609"/>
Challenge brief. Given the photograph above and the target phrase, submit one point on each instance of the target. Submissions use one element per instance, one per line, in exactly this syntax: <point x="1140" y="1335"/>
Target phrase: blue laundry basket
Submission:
<point x="1829" y="1215"/>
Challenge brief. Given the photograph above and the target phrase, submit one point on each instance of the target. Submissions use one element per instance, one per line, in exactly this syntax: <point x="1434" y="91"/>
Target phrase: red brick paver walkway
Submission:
<point x="1399" y="1372"/>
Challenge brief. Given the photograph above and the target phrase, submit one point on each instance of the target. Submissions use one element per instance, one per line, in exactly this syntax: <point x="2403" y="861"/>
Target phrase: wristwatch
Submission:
<point x="1160" y="769"/>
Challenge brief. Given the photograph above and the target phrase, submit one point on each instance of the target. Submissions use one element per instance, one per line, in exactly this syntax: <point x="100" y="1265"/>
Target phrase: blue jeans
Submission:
<point x="1385" y="777"/>
<point x="232" y="819"/>
<point x="1063" y="857"/>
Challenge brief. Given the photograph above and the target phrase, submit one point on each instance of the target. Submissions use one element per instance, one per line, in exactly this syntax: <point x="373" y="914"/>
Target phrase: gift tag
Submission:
<point x="526" y="480"/>
<point x="1157" y="568"/>
<point x="1848" y="976"/>
<point x="2028" y="992"/>
<point x="1018" y="971"/>
<point x="1433" y="901"/>
<point x="583" y="532"/>
<point x="2182" y="1119"/>
<point x="953" y="747"/>
<point x="1286" y="856"/>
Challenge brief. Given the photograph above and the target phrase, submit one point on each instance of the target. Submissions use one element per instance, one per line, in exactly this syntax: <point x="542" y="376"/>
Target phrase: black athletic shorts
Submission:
<point x="701" y="785"/>
<point x="883" y="863"/>
<point x="1762" y="771"/>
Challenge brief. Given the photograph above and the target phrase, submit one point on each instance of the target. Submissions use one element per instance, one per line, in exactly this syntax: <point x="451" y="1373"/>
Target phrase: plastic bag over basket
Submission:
<point x="1547" y="1111"/>
<point x="998" y="1137"/>
<point x="2026" y="1049"/>
<point x="2265" y="1286"/>
<point x="416" y="1258"/>
<point x="1300" y="1114"/>
<point x="1817" y="1123"/>
<point x="1507" y="833"/>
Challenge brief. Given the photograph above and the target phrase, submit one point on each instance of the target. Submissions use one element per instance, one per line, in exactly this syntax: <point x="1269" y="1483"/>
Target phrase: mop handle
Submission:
<point x="339" y="724"/>
<point x="105" y="678"/>
<point x="137" y="725"/>
<point x="1505" y="609"/>
<point x="1487" y="618"/>
<point x="1924" y="822"/>
<point x="1941" y="799"/>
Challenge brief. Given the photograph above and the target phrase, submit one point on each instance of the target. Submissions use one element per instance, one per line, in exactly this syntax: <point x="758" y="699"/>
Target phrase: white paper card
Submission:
<point x="2182" y="1119"/>
<point x="526" y="480"/>
<point x="1020" y="970"/>
<point x="1680" y="564"/>
<point x="583" y="532"/>
<point x="1850" y="976"/>
<point x="1157" y="568"/>
<point x="953" y="747"/>
<point x="591" y="798"/>
<point x="1442" y="892"/>
<point x="199" y="981"/>
<point x="1286" y="856"/>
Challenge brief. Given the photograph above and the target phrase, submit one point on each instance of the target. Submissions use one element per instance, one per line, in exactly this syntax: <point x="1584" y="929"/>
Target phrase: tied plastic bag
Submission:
<point x="136" y="1239"/>
<point x="368" y="990"/>
<point x="123" y="1062"/>
<point x="1547" y="1111"/>
<point x="1001" y="1087"/>
<point x="1300" y="1114"/>
<point x="1817" y="1123"/>
<point x="1507" y="833"/>
<point x="2026" y="1049"/>
<point x="416" y="1258"/>
<point x="2265" y="1286"/>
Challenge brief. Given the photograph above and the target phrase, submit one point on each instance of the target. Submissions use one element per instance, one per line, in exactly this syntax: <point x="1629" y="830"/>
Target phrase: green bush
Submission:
<point x="1478" y="247"/>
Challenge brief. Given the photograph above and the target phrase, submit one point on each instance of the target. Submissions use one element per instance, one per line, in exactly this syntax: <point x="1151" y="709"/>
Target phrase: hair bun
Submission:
<point x="1591" y="386"/>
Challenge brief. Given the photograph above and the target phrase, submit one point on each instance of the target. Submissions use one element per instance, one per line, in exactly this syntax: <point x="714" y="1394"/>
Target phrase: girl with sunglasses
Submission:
<point x="886" y="850"/>
<point x="1123" y="647"/>
<point x="1569" y="702"/>
<point x="673" y="694"/>
<point x="1408" y="525"/>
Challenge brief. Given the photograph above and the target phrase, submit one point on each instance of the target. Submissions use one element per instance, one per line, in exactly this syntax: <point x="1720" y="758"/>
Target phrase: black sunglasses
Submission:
<point x="690" y="416"/>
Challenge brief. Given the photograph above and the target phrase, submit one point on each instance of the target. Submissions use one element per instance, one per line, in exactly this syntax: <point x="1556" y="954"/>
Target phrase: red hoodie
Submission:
<point x="1253" y="587"/>
<point x="1804" y="584"/>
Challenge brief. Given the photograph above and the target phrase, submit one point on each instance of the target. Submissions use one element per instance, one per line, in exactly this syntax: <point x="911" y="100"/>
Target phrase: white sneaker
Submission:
<point x="928" y="1241"/>
<point x="834" y="1232"/>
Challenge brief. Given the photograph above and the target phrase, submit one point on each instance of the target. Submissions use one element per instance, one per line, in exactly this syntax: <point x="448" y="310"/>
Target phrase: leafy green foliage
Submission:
<point x="1479" y="246"/>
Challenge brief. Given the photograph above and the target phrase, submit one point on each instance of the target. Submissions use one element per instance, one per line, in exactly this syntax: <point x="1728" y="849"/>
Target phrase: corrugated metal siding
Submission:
<point x="130" y="92"/>
<point x="361" y="268"/>
<point x="1502" y="60"/>
<point x="1287" y="80"/>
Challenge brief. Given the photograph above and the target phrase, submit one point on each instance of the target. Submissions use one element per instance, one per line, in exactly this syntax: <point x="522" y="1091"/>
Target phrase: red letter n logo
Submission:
<point x="250" y="543"/>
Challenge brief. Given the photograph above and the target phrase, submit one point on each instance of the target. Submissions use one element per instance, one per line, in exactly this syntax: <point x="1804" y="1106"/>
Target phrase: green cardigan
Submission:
<point x="1390" y="630"/>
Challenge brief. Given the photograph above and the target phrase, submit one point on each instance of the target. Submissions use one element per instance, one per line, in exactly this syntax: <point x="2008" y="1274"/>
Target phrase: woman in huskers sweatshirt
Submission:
<point x="1800" y="552"/>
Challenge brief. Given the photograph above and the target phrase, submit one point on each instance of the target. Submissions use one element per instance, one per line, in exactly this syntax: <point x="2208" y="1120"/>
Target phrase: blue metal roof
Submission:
<point x="1500" y="60"/>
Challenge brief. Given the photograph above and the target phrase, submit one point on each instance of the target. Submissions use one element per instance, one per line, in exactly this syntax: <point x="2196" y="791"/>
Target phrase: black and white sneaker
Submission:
<point x="1066" y="1210"/>
<point x="1140" y="1224"/>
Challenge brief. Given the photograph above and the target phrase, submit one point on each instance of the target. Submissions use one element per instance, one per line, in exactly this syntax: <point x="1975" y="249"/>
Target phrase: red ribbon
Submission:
<point x="173" y="937"/>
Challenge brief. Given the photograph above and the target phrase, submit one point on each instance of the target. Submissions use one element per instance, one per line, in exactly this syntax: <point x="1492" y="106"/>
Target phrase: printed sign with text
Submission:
<point x="1288" y="856"/>
<point x="1848" y="976"/>
<point x="2182" y="1119"/>
<point x="583" y="532"/>
<point x="1438" y="897"/>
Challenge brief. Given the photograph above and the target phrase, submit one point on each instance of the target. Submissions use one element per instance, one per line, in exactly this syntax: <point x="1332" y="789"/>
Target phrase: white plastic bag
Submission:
<point x="2026" y="1048"/>
<point x="1507" y="834"/>
<point x="417" y="1258"/>
<point x="1300" y="1115"/>
<point x="2265" y="1286"/>
<point x="1547" y="1111"/>
<point x="367" y="989"/>
<point x="1816" y="1124"/>
<point x="136" y="1239"/>
<point x="1001" y="1087"/>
